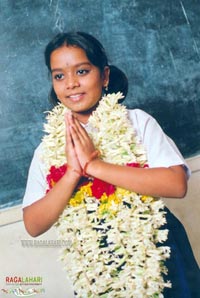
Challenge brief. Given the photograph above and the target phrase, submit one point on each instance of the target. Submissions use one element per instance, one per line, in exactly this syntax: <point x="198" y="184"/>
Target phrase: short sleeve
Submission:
<point x="36" y="182"/>
<point x="161" y="150"/>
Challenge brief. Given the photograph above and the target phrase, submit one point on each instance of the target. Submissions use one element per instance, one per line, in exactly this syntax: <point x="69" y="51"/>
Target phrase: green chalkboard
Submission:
<point x="156" y="43"/>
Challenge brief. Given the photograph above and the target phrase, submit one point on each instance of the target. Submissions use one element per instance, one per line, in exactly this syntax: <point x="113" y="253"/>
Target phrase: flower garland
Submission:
<point x="115" y="234"/>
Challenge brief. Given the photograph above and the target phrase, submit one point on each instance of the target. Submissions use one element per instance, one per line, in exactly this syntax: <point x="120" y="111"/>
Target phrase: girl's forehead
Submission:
<point x="69" y="55"/>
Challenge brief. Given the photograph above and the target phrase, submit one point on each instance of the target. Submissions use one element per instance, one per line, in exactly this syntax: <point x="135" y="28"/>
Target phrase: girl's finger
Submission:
<point x="80" y="130"/>
<point x="67" y="130"/>
<point x="78" y="133"/>
<point x="68" y="135"/>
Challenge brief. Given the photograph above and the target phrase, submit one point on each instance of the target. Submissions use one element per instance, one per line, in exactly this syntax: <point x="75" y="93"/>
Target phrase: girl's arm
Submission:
<point x="159" y="182"/>
<point x="42" y="214"/>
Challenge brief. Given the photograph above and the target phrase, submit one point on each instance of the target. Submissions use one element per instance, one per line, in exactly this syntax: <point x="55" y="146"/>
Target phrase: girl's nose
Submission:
<point x="71" y="82"/>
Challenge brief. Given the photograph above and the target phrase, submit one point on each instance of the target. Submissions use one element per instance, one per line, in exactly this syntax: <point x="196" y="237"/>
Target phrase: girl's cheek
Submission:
<point x="55" y="86"/>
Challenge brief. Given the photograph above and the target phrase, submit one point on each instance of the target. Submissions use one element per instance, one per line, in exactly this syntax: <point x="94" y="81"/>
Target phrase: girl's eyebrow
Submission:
<point x="76" y="65"/>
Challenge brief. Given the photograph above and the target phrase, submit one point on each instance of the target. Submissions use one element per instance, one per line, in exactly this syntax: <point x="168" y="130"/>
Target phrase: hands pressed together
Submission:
<point x="80" y="149"/>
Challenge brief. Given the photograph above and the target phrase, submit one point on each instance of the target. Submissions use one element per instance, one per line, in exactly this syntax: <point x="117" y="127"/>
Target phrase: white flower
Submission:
<point x="110" y="256"/>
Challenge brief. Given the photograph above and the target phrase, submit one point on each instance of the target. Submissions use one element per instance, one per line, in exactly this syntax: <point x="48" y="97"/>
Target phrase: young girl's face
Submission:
<point x="76" y="81"/>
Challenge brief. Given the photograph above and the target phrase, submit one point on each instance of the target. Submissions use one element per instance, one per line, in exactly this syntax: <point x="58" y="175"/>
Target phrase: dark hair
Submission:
<point x="96" y="55"/>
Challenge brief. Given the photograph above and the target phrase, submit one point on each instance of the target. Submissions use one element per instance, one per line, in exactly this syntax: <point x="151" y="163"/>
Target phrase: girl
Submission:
<point x="80" y="76"/>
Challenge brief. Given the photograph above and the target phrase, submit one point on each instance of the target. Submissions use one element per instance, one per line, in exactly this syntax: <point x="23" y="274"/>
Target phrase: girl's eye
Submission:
<point x="58" y="76"/>
<point x="82" y="71"/>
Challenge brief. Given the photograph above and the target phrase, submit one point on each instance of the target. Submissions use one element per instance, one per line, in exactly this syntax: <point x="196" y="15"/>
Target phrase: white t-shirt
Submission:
<point x="161" y="152"/>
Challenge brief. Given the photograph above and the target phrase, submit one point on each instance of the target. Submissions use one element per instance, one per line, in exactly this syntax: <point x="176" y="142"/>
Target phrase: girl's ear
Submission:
<point x="106" y="74"/>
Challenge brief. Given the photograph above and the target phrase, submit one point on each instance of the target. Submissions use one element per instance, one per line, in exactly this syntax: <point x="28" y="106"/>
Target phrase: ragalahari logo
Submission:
<point x="19" y="281"/>
<point x="19" y="292"/>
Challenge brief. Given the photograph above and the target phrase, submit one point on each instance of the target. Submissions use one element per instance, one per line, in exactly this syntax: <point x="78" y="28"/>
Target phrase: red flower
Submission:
<point x="133" y="164"/>
<point x="55" y="174"/>
<point x="99" y="187"/>
<point x="136" y="165"/>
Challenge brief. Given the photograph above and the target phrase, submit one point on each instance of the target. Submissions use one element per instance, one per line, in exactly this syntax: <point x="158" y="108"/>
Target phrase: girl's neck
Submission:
<point x="84" y="116"/>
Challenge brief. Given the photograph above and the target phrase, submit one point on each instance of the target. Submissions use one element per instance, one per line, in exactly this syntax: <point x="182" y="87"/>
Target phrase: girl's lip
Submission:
<point x="76" y="97"/>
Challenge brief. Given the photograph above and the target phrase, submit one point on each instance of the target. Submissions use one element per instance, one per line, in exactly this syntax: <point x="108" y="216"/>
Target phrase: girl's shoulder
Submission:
<point x="161" y="149"/>
<point x="140" y="116"/>
<point x="142" y="120"/>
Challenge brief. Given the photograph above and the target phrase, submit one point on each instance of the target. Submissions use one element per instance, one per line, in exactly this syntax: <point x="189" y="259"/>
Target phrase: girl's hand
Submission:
<point x="72" y="159"/>
<point x="83" y="144"/>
